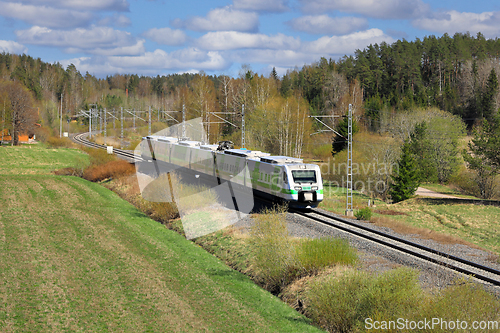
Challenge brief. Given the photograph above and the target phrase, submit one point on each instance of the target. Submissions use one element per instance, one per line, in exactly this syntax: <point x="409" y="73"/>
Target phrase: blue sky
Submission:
<point x="159" y="37"/>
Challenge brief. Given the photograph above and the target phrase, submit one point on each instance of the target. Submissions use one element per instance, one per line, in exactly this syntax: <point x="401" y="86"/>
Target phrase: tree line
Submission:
<point x="386" y="84"/>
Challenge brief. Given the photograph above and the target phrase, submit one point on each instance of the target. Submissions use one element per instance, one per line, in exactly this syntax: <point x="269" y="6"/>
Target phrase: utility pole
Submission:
<point x="208" y="124"/>
<point x="90" y="123"/>
<point x="60" y="120"/>
<point x="183" y="120"/>
<point x="105" y="125"/>
<point x="121" y="124"/>
<point x="348" y="208"/>
<point x="3" y="122"/>
<point x="150" y="120"/>
<point x="243" y="126"/>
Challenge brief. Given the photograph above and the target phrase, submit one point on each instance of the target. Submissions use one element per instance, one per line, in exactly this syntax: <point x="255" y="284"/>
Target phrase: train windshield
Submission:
<point x="304" y="176"/>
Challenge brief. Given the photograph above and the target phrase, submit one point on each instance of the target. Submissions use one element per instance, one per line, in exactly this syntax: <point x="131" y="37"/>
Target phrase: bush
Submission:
<point x="342" y="303"/>
<point x="363" y="214"/>
<point x="465" y="301"/>
<point x="112" y="169"/>
<point x="55" y="142"/>
<point x="279" y="260"/>
<point x="273" y="263"/>
<point x="77" y="172"/>
<point x="323" y="152"/>
<point x="314" y="254"/>
<point x="98" y="156"/>
<point x="42" y="134"/>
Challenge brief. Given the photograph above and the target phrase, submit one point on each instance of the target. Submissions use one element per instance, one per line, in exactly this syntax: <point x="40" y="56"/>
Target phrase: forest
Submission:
<point x="432" y="92"/>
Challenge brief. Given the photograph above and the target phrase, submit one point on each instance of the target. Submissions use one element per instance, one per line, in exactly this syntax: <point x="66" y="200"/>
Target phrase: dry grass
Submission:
<point x="404" y="228"/>
<point x="111" y="169"/>
<point x="55" y="142"/>
<point x="110" y="141"/>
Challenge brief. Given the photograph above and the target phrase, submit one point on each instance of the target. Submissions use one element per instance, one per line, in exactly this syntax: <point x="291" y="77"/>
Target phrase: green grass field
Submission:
<point x="37" y="159"/>
<point x="76" y="257"/>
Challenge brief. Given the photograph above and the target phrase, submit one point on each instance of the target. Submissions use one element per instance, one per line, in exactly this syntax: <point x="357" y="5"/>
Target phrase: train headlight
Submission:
<point x="297" y="188"/>
<point x="314" y="188"/>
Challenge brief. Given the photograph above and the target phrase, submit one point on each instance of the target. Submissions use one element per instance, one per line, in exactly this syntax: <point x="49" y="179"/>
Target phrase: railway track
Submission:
<point x="457" y="264"/>
<point x="126" y="155"/>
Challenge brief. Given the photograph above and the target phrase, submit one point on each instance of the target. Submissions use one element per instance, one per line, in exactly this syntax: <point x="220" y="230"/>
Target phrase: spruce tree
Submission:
<point x="339" y="143"/>
<point x="406" y="179"/>
<point x="488" y="102"/>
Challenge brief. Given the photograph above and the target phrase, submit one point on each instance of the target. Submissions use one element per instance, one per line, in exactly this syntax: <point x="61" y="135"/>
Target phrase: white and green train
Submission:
<point x="277" y="178"/>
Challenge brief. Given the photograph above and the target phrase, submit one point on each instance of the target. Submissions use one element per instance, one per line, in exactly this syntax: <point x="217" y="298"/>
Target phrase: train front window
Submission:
<point x="304" y="176"/>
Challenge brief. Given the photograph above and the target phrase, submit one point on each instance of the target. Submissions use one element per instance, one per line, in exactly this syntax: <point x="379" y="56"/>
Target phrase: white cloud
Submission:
<point x="323" y="24"/>
<point x="273" y="6"/>
<point x="166" y="36"/>
<point x="384" y="9"/>
<point x="177" y="60"/>
<point x="9" y="46"/>
<point x="97" y="40"/>
<point x="221" y="19"/>
<point x="347" y="44"/>
<point x="92" y="5"/>
<point x="45" y="16"/>
<point x="453" y="21"/>
<point x="230" y="40"/>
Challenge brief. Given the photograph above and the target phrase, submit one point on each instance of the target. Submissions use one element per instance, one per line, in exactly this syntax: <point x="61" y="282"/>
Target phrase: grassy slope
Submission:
<point x="74" y="256"/>
<point x="472" y="223"/>
<point x="36" y="159"/>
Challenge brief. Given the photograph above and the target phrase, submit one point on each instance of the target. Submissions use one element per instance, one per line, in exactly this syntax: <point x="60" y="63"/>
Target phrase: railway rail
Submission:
<point x="126" y="155"/>
<point x="469" y="268"/>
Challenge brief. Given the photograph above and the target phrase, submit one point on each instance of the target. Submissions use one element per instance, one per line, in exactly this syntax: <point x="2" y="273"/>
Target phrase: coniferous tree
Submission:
<point x="488" y="100"/>
<point x="406" y="180"/>
<point x="340" y="141"/>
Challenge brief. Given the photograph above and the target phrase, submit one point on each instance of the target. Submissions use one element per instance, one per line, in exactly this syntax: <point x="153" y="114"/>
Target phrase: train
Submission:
<point x="281" y="179"/>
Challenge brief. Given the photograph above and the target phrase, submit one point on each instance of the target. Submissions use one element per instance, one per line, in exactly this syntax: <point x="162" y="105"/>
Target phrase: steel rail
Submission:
<point x="367" y="233"/>
<point x="82" y="139"/>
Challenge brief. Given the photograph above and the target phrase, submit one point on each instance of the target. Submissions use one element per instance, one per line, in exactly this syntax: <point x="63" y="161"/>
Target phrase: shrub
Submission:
<point x="323" y="152"/>
<point x="78" y="172"/>
<point x="466" y="301"/>
<point x="314" y="254"/>
<point x="363" y="214"/>
<point x="278" y="260"/>
<point x="42" y="134"/>
<point x="98" y="156"/>
<point x="54" y="142"/>
<point x="342" y="303"/>
<point x="273" y="262"/>
<point x="111" y="169"/>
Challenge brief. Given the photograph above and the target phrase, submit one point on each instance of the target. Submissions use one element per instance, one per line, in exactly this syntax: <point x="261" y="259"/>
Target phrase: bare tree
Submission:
<point x="20" y="106"/>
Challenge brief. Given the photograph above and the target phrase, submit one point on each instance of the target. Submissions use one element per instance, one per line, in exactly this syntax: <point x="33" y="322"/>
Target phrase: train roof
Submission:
<point x="245" y="153"/>
<point x="281" y="160"/>
<point x="189" y="143"/>
<point x="209" y="147"/>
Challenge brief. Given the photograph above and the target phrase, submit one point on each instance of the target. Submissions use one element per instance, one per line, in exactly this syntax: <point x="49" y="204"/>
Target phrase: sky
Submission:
<point x="161" y="37"/>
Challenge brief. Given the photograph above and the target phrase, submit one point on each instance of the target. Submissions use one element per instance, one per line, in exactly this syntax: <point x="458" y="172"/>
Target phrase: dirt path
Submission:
<point x="431" y="194"/>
